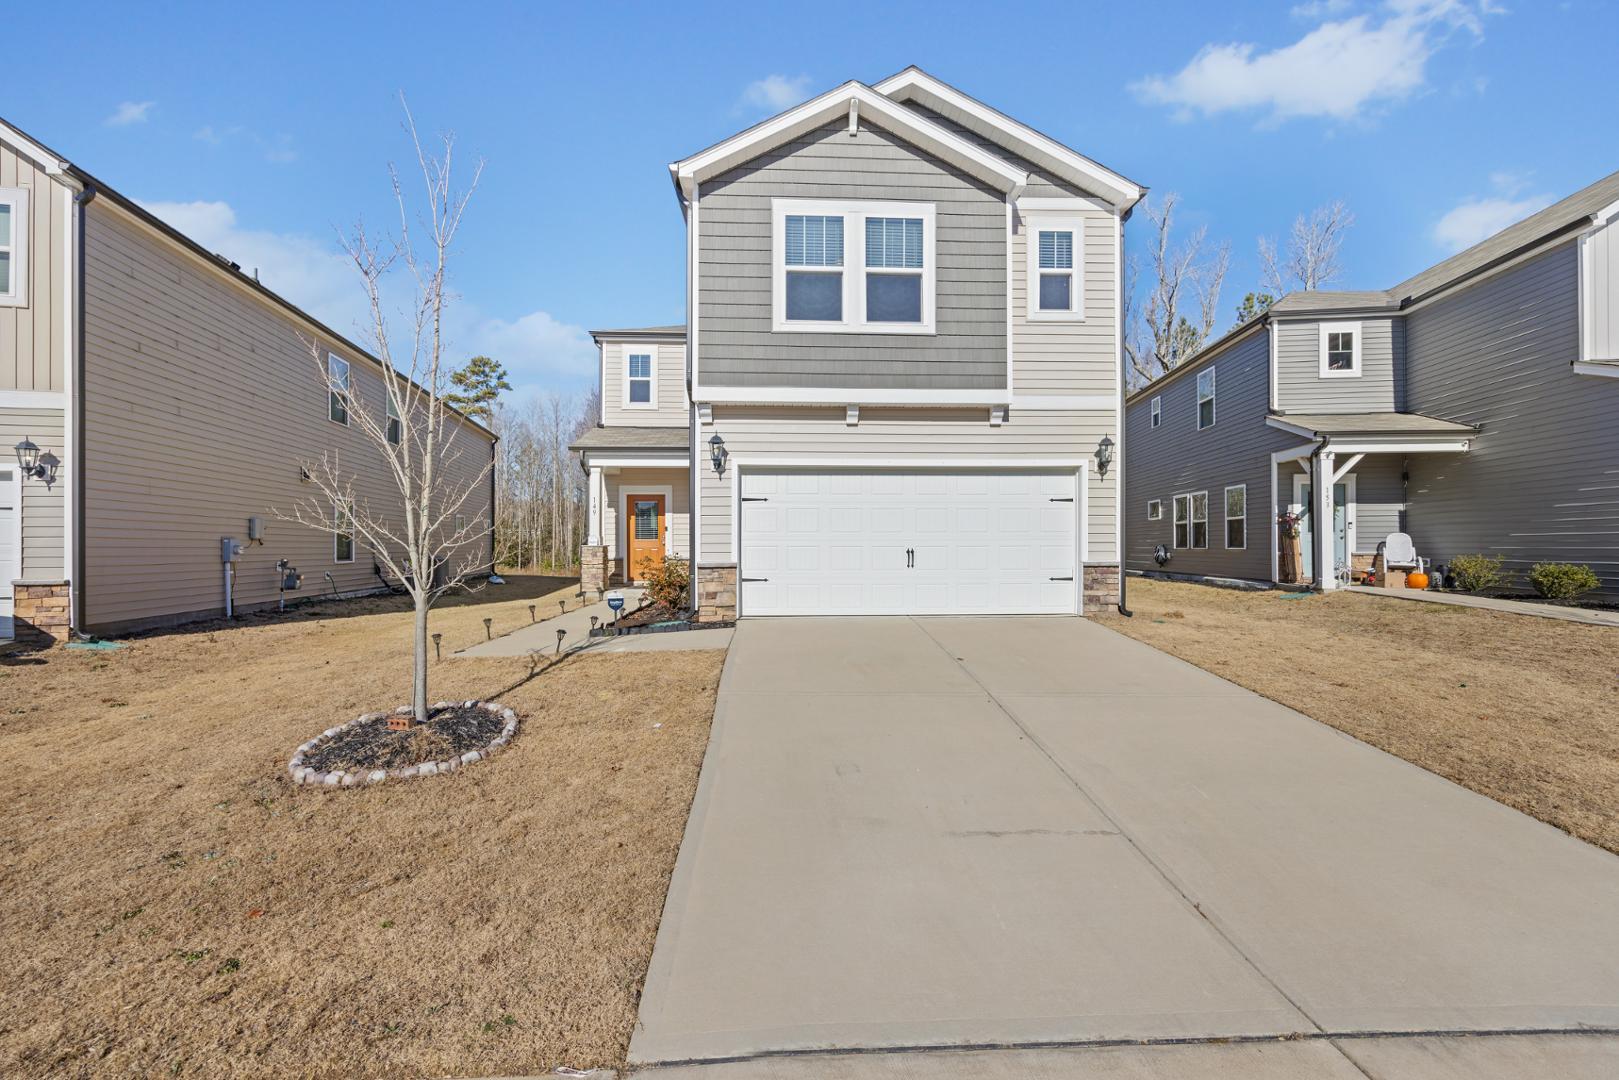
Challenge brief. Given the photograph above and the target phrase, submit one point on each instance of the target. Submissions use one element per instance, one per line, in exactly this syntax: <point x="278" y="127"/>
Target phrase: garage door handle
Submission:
<point x="1062" y="579"/>
<point x="748" y="579"/>
<point x="910" y="557"/>
<point x="1062" y="500"/>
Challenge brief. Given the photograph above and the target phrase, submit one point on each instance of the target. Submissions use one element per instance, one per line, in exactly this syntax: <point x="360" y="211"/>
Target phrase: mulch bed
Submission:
<point x="448" y="733"/>
<point x="652" y="613"/>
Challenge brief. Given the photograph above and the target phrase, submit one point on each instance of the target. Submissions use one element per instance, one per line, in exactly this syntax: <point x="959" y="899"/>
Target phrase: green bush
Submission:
<point x="1475" y="573"/>
<point x="1561" y="580"/>
<point x="668" y="584"/>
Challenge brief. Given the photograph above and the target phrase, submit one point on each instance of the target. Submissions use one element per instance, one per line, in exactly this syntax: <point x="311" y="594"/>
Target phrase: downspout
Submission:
<point x="1319" y="537"/>
<point x="81" y="201"/>
<point x="1118" y="331"/>
<point x="493" y="460"/>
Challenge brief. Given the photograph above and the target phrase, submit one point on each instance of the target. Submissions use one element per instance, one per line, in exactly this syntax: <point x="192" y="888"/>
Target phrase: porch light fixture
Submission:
<point x="1104" y="455"/>
<point x="28" y="459"/>
<point x="717" y="453"/>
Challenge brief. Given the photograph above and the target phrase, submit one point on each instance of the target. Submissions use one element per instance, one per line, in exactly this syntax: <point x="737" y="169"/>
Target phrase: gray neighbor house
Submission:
<point x="1472" y="406"/>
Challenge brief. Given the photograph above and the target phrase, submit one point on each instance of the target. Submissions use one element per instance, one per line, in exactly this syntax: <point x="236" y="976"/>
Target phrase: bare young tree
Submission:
<point x="420" y="533"/>
<point x="1183" y="296"/>
<point x="1311" y="261"/>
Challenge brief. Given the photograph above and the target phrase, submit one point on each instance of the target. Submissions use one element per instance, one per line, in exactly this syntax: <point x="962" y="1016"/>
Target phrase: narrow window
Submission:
<point x="460" y="523"/>
<point x="1205" y="399"/>
<point x="640" y="376"/>
<point x="1183" y="521"/>
<point x="814" y="254"/>
<point x="1157" y="412"/>
<point x="1200" y="519"/>
<point x="337" y="384"/>
<point x="1057" y="292"/>
<point x="343" y="534"/>
<point x="1155" y="509"/>
<point x="13" y="247"/>
<point x="893" y="270"/>
<point x="394" y="426"/>
<point x="1236" y="516"/>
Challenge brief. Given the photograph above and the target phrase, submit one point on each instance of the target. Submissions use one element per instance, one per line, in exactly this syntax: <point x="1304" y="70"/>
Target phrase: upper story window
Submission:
<point x="887" y="288"/>
<point x="1340" y="350"/>
<point x="394" y="425"/>
<point x="338" y="389"/>
<point x="638" y="381"/>
<point x="1205" y="398"/>
<point x="1055" y="270"/>
<point x="1157" y="412"/>
<point x="1599" y="296"/>
<point x="13" y="247"/>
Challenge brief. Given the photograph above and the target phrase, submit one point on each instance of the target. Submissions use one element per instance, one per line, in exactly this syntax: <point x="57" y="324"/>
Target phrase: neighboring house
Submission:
<point x="903" y="362"/>
<point x="171" y="398"/>
<point x="1471" y="406"/>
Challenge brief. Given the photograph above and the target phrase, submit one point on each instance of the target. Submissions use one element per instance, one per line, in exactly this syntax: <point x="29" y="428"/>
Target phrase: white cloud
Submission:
<point x="1479" y="216"/>
<point x="1340" y="69"/>
<point x="278" y="150"/>
<point x="1320" y="9"/>
<point x="776" y="92"/>
<point x="538" y="351"/>
<point x="130" y="112"/>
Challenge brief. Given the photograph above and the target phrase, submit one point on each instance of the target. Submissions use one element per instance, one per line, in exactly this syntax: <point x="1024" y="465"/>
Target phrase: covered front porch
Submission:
<point x="1352" y="473"/>
<point x="639" y="504"/>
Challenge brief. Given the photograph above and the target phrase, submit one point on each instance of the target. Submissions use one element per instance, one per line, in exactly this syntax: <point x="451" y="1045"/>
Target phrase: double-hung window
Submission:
<point x="342" y="533"/>
<point x="1236" y="516"/>
<point x="1055" y="267"/>
<point x="1205" y="399"/>
<point x="1192" y="520"/>
<point x="1340" y="350"/>
<point x="394" y="426"/>
<point x="337" y="387"/>
<point x="1157" y="412"/>
<point x="883" y="285"/>
<point x="638" y="381"/>
<point x="13" y="247"/>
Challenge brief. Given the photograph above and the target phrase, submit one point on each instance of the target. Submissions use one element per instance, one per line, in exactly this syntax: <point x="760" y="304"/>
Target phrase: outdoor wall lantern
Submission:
<point x="1104" y="455"/>
<point x="716" y="451"/>
<point x="35" y="464"/>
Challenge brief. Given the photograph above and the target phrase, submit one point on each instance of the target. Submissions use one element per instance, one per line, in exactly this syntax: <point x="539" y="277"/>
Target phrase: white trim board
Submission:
<point x="32" y="399"/>
<point x="845" y="395"/>
<point x="607" y="459"/>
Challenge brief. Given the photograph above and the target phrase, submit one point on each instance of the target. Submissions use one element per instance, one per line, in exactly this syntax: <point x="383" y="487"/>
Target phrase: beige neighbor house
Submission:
<point x="154" y="401"/>
<point x="901" y="387"/>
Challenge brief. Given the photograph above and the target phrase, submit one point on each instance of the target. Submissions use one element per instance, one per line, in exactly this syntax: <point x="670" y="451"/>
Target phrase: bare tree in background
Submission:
<point x="423" y="538"/>
<point x="542" y="491"/>
<point x="1311" y="261"/>
<point x="1182" y="296"/>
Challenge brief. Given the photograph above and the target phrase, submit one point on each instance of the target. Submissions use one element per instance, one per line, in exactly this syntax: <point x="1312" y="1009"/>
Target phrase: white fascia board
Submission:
<point x="834" y="105"/>
<point x="915" y="461"/>
<point x="854" y="395"/>
<point x="1283" y="425"/>
<point x="1294" y="454"/>
<point x="1408" y="446"/>
<point x="636" y="459"/>
<point x="1596" y="367"/>
<point x="913" y="84"/>
<point x="53" y="165"/>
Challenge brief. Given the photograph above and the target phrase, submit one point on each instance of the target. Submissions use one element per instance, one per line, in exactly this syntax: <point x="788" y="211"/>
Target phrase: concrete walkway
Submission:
<point x="915" y="836"/>
<point x="1591" y="616"/>
<point x="542" y="636"/>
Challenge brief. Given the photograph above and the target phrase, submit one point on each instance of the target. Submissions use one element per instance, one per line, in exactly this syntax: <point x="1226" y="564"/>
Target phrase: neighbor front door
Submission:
<point x="645" y="531"/>
<point x="1340" y="527"/>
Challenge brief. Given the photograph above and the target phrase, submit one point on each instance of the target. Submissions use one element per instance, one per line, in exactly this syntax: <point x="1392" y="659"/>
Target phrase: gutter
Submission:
<point x="76" y="603"/>
<point x="1123" y="515"/>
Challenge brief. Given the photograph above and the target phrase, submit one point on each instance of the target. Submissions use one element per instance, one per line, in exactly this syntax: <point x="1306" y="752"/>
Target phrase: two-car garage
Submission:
<point x="887" y="541"/>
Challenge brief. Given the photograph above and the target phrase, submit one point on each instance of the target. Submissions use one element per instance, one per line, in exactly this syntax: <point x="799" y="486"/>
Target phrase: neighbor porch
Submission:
<point x="639" y="503"/>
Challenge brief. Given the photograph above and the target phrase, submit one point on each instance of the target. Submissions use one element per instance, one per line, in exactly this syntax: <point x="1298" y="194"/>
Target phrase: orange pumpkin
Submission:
<point x="1417" y="580"/>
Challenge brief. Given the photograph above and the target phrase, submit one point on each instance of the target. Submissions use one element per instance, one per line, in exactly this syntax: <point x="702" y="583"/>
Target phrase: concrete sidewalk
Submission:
<point x="945" y="833"/>
<point x="1589" y="616"/>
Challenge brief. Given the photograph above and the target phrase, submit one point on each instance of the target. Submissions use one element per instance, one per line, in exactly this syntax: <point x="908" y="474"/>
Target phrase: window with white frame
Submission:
<point x="1192" y="520"/>
<point x="342" y="533"/>
<point x="13" y="247"/>
<point x="337" y="388"/>
<point x="1155" y="509"/>
<point x="1157" y="412"/>
<point x="1056" y="267"/>
<point x="1340" y="350"/>
<point x="1598" y="251"/>
<point x="1236" y="516"/>
<point x="638" y="381"/>
<point x="1205" y="398"/>
<point x="395" y="428"/>
<point x="887" y="287"/>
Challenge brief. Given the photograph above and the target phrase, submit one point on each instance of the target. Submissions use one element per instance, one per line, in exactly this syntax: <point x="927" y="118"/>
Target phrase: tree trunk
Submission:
<point x="419" y="683"/>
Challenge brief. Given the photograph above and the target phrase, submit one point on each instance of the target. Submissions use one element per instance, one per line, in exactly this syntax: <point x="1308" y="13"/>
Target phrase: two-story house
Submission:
<point x="1471" y="407"/>
<point x="155" y="400"/>
<point x="903" y="363"/>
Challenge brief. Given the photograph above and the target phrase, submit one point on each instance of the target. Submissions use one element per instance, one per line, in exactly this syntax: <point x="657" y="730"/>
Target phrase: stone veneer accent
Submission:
<point x="41" y="615"/>
<point x="1101" y="589"/>
<point x="593" y="568"/>
<point x="716" y="592"/>
<point x="303" y="774"/>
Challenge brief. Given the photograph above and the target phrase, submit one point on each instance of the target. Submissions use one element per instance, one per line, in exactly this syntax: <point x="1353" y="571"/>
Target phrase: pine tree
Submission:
<point x="478" y="386"/>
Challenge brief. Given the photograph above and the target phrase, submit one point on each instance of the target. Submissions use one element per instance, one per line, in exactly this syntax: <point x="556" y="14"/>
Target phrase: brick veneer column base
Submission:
<point x="593" y="568"/>
<point x="716" y="592"/>
<point x="41" y="613"/>
<point x="1101" y="589"/>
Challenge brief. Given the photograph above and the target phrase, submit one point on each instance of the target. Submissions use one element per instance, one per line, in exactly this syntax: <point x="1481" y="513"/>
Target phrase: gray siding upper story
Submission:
<point x="1301" y="388"/>
<point x="33" y="335"/>
<point x="1041" y="184"/>
<point x="736" y="346"/>
<point x="669" y="406"/>
<point x="1541" y="482"/>
<point x="1176" y="458"/>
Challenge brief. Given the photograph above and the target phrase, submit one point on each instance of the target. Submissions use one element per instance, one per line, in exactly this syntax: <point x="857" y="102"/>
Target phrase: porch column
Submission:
<point x="594" y="507"/>
<point x="1322" y="529"/>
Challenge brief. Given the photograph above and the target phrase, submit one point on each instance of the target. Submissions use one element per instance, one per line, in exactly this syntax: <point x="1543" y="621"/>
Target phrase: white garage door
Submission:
<point x="883" y="542"/>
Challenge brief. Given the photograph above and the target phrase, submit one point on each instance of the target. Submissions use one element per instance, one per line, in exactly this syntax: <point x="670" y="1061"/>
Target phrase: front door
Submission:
<point x="1340" y="525"/>
<point x="645" y="530"/>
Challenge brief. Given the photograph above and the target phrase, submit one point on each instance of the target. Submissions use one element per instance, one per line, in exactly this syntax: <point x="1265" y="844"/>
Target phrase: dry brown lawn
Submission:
<point x="1522" y="709"/>
<point x="171" y="905"/>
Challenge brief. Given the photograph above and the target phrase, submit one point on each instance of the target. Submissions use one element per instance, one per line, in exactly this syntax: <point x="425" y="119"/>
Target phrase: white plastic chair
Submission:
<point x="1399" y="553"/>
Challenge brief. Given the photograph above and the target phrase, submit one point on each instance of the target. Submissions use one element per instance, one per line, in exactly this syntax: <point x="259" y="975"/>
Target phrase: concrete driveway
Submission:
<point x="916" y="836"/>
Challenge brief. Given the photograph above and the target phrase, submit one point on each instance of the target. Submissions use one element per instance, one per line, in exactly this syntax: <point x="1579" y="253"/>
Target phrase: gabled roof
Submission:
<point x="915" y="85"/>
<point x="852" y="99"/>
<point x="1323" y="300"/>
<point x="633" y="438"/>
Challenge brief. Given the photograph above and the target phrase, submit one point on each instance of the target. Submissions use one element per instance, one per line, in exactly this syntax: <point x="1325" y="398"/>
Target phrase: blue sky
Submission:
<point x="1436" y="121"/>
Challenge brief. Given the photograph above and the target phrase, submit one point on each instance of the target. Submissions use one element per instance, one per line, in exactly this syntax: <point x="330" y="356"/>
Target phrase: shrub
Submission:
<point x="1477" y="572"/>
<point x="1561" y="580"/>
<point x="668" y="584"/>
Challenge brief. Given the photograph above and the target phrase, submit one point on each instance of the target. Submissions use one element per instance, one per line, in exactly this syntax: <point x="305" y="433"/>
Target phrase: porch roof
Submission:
<point x="1340" y="425"/>
<point x="634" y="438"/>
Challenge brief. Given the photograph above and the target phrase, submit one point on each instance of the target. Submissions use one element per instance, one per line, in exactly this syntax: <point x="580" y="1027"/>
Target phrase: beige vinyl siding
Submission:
<point x="32" y="337"/>
<point x="915" y="437"/>
<point x="1301" y="389"/>
<point x="1052" y="357"/>
<point x="42" y="507"/>
<point x="669" y="377"/>
<point x="617" y="483"/>
<point x="201" y="402"/>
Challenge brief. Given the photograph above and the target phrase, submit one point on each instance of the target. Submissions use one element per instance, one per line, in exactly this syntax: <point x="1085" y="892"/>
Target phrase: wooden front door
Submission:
<point x="644" y="528"/>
